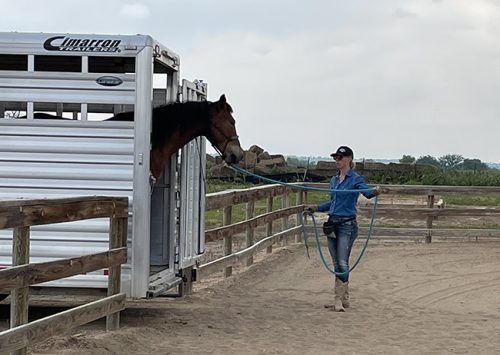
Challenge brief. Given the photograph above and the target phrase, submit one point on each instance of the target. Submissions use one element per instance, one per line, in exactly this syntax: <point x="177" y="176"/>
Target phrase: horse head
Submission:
<point x="222" y="131"/>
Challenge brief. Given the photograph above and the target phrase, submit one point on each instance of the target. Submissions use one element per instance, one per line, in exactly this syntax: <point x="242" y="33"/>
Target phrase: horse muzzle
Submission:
<point x="233" y="153"/>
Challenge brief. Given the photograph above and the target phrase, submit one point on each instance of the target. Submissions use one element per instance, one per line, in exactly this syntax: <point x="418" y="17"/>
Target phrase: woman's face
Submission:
<point x="342" y="161"/>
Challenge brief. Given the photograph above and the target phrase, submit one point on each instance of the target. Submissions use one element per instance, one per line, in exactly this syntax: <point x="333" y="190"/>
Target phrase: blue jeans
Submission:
<point x="340" y="244"/>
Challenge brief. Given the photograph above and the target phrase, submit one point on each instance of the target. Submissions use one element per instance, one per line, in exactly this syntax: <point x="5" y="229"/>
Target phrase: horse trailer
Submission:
<point x="86" y="79"/>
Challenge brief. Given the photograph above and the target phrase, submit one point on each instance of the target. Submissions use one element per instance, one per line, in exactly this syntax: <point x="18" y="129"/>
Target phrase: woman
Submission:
<point x="341" y="227"/>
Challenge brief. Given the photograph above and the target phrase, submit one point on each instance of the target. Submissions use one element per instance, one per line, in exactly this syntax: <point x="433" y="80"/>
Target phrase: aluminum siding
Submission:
<point x="57" y="158"/>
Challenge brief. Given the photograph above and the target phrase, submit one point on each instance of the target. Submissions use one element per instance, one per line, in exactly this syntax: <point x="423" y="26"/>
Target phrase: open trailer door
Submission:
<point x="192" y="192"/>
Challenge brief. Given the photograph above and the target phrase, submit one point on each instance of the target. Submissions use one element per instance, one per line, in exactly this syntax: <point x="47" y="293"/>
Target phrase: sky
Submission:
<point x="387" y="78"/>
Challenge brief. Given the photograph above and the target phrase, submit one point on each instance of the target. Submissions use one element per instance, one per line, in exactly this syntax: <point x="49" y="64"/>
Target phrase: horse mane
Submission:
<point x="167" y="119"/>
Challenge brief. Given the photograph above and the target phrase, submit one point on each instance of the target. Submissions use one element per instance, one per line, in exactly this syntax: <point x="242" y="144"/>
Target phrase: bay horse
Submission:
<point x="176" y="124"/>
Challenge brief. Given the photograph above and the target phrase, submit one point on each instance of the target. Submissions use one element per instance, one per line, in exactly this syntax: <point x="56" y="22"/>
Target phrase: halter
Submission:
<point x="228" y="139"/>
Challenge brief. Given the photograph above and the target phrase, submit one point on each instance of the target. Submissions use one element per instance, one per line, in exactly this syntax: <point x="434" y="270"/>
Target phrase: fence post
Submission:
<point x="430" y="204"/>
<point x="20" y="297"/>
<point x="228" y="240"/>
<point x="117" y="239"/>
<point x="249" y="233"/>
<point x="299" y="215"/>
<point x="284" y="223"/>
<point x="269" y="226"/>
<point x="306" y="202"/>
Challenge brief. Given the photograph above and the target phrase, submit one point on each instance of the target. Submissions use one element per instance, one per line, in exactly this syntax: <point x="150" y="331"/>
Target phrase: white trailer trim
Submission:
<point x="75" y="86"/>
<point x="142" y="192"/>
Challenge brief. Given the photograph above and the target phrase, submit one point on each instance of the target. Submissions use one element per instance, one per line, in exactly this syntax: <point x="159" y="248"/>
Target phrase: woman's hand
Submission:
<point x="310" y="208"/>
<point x="381" y="190"/>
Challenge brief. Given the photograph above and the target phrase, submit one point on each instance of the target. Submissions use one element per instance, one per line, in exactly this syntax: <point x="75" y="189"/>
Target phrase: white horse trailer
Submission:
<point x="87" y="78"/>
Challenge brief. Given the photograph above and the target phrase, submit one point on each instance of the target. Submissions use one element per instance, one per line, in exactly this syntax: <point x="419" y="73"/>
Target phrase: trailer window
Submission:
<point x="13" y="62"/>
<point x="58" y="63"/>
<point x="114" y="65"/>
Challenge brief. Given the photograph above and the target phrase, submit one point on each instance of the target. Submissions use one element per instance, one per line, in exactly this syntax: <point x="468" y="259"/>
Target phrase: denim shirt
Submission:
<point x="343" y="204"/>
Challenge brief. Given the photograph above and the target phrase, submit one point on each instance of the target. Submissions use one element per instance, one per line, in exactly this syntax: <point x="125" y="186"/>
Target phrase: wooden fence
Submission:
<point x="430" y="213"/>
<point x="20" y="215"/>
<point x="226" y="200"/>
<point x="426" y="213"/>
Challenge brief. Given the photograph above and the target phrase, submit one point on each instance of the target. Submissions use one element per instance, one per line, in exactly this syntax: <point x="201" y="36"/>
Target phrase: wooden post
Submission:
<point x="305" y="203"/>
<point x="186" y="287"/>
<point x="299" y="215"/>
<point x="228" y="241"/>
<point x="117" y="239"/>
<point x="249" y="233"/>
<point x="269" y="226"/>
<point x="430" y="204"/>
<point x="20" y="297"/>
<point x="284" y="223"/>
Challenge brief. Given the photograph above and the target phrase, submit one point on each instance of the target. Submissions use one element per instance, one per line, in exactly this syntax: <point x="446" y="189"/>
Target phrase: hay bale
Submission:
<point x="256" y="149"/>
<point x="249" y="159"/>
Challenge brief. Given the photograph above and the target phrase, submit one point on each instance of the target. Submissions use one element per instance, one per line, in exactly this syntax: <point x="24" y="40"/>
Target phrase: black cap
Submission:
<point x="344" y="151"/>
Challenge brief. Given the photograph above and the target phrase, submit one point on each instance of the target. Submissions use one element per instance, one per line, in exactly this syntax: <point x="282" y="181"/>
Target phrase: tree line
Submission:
<point x="451" y="170"/>
<point x="447" y="162"/>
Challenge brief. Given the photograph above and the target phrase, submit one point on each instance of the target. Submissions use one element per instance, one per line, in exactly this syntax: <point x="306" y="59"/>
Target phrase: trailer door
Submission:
<point x="192" y="191"/>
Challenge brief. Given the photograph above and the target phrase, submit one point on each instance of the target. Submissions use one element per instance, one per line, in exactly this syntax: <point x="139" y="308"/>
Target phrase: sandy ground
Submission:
<point x="438" y="298"/>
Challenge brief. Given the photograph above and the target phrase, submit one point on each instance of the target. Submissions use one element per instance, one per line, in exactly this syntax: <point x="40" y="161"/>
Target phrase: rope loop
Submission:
<point x="318" y="245"/>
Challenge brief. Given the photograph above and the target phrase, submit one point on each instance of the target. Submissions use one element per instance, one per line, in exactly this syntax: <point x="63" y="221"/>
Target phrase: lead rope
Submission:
<point x="315" y="226"/>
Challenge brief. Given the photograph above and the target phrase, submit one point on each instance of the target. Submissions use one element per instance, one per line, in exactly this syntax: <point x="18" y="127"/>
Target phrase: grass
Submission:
<point x="213" y="219"/>
<point x="485" y="201"/>
<point x="213" y="185"/>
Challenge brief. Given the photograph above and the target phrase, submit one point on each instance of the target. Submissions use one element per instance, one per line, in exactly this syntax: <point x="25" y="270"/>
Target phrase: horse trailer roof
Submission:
<point x="79" y="44"/>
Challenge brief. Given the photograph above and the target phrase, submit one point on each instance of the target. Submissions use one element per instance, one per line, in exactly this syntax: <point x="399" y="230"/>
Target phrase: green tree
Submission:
<point x="451" y="161"/>
<point x="407" y="159"/>
<point x="473" y="164"/>
<point x="429" y="160"/>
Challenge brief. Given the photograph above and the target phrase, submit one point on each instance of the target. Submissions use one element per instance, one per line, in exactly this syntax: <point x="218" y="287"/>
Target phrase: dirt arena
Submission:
<point x="412" y="298"/>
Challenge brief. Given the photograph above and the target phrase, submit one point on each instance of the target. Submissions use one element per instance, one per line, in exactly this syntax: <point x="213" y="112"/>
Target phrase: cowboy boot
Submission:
<point x="345" y="299"/>
<point x="340" y="289"/>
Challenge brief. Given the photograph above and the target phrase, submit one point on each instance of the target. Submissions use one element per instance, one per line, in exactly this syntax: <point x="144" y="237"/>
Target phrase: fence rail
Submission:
<point x="21" y="215"/>
<point x="427" y="213"/>
<point x="432" y="189"/>
<point x="226" y="200"/>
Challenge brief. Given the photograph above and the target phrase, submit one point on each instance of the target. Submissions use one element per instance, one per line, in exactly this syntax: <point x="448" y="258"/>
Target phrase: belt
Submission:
<point x="342" y="219"/>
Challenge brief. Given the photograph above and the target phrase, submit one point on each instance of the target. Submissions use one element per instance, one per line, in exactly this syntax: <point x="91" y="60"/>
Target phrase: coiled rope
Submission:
<point x="315" y="226"/>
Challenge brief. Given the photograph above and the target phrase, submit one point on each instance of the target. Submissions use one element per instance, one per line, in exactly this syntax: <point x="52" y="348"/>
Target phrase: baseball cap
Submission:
<point x="344" y="151"/>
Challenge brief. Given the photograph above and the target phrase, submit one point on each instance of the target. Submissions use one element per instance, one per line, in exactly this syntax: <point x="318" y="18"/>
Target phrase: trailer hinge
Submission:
<point x="176" y="258"/>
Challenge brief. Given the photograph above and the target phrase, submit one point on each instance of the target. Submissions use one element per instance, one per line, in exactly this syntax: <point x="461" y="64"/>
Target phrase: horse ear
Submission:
<point x="221" y="104"/>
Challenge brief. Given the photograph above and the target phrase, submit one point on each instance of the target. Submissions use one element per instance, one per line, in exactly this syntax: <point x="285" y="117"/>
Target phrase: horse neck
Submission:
<point x="179" y="139"/>
<point x="177" y="127"/>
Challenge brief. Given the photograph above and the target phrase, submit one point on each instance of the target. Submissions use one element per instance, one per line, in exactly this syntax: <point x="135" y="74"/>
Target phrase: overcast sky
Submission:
<point x="386" y="77"/>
